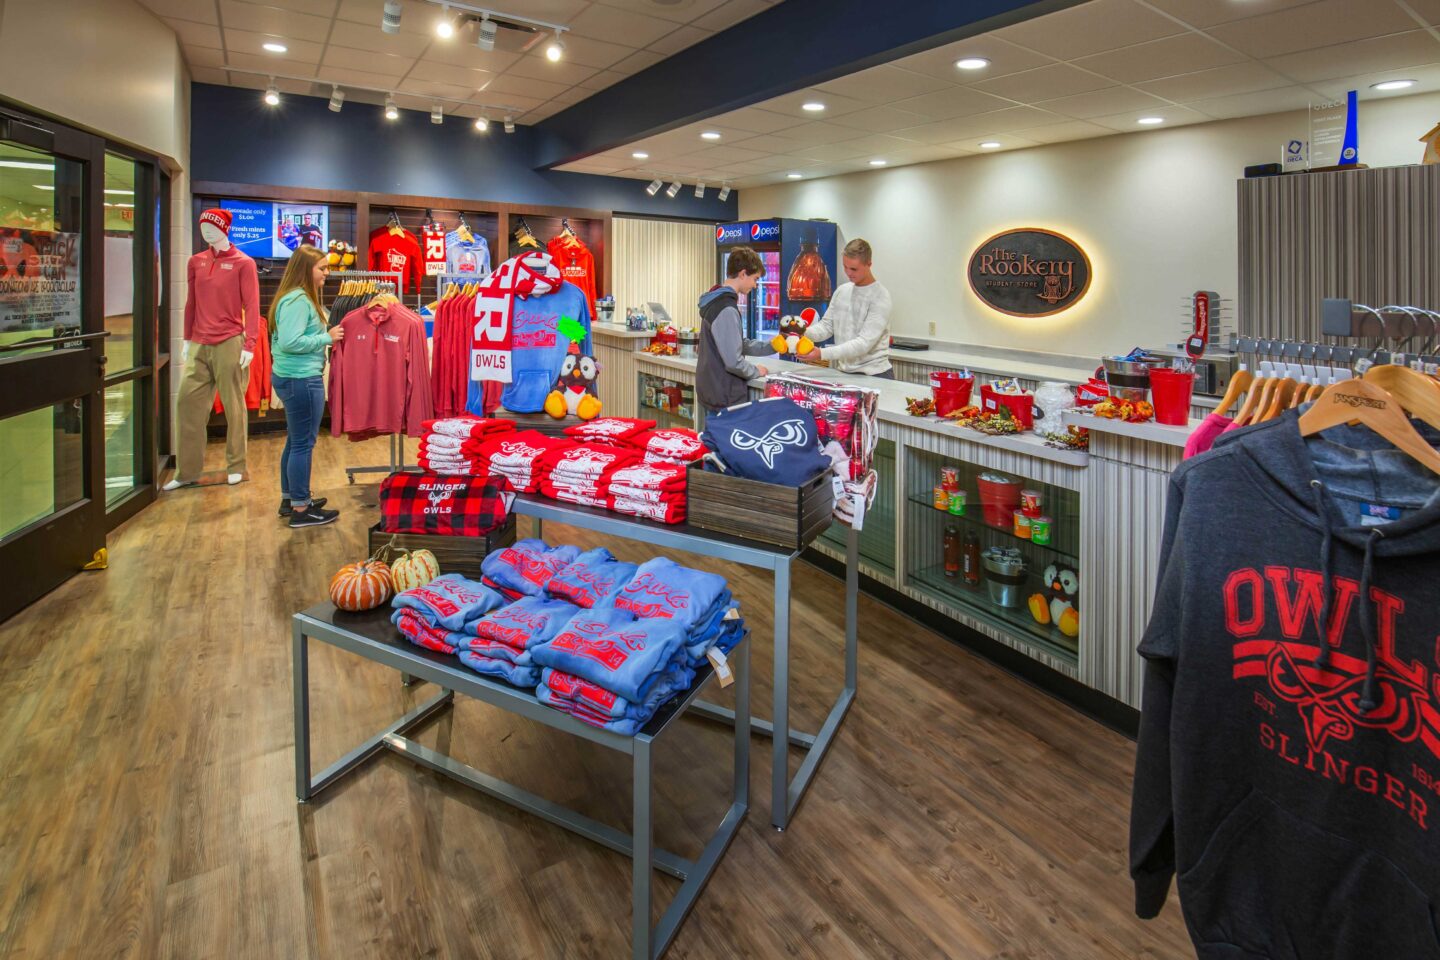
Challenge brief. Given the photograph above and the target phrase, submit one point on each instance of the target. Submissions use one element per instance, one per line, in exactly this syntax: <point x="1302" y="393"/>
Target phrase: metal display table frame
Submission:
<point x="785" y="792"/>
<point x="371" y="635"/>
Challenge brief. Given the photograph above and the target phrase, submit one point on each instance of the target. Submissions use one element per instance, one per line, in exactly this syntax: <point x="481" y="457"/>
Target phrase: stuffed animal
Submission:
<point x="1059" y="603"/>
<point x="574" y="389"/>
<point x="791" y="338"/>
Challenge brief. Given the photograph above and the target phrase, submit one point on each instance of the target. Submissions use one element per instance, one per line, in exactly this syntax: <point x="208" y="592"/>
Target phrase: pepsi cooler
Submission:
<point x="801" y="259"/>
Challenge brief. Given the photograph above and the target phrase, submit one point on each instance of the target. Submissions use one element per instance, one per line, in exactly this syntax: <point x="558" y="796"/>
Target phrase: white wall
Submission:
<point x="1155" y="211"/>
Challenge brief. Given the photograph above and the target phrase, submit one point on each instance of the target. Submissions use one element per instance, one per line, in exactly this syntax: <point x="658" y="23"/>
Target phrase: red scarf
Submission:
<point x="530" y="274"/>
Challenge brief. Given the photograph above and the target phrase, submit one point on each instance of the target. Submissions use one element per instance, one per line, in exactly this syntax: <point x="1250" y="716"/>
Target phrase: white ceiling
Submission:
<point x="1089" y="71"/>
<point x="340" y="42"/>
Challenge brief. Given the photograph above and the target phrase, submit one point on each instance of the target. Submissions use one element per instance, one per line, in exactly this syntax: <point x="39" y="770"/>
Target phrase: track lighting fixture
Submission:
<point x="391" y="111"/>
<point x="674" y="190"/>
<point x="437" y="115"/>
<point x="337" y="99"/>
<point x="724" y="192"/>
<point x="655" y="186"/>
<point x="445" y="27"/>
<point x="482" y="124"/>
<point x="272" y="93"/>
<point x="486" y="38"/>
<point x="390" y="18"/>
<point x="509" y="123"/>
<point x="556" y="49"/>
<point x="700" y="190"/>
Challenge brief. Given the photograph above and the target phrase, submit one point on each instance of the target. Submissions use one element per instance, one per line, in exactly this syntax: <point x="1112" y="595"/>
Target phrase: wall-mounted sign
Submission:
<point x="750" y="231"/>
<point x="1029" y="272"/>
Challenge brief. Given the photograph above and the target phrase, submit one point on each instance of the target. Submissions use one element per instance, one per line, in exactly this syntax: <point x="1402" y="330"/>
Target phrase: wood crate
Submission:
<point x="460" y="555"/>
<point x="754" y="510"/>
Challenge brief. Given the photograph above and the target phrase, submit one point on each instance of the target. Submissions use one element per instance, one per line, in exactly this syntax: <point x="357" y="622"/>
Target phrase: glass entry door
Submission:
<point x="52" y="358"/>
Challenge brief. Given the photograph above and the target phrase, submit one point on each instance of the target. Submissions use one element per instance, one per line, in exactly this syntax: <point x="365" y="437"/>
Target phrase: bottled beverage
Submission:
<point x="809" y="279"/>
<point x="971" y="561"/>
<point x="952" y="552"/>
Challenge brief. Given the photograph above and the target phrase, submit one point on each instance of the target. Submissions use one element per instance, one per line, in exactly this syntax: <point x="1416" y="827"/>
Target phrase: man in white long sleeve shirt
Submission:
<point x="858" y="318"/>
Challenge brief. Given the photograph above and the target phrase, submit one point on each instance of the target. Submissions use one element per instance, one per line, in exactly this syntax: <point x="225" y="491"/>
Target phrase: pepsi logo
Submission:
<point x="719" y="233"/>
<point x="754" y="231"/>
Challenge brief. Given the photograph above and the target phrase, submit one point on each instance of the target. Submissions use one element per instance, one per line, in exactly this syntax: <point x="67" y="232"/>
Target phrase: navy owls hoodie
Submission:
<point x="1288" y="771"/>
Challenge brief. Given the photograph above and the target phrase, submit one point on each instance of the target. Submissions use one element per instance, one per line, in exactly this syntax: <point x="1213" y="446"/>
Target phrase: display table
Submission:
<point x="370" y="635"/>
<point x="786" y="792"/>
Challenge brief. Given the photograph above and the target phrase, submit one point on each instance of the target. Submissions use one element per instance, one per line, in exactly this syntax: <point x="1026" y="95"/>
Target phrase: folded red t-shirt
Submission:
<point x="614" y="430"/>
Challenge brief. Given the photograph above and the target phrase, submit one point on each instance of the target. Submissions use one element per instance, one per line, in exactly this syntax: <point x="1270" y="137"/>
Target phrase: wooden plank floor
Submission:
<point x="148" y="808"/>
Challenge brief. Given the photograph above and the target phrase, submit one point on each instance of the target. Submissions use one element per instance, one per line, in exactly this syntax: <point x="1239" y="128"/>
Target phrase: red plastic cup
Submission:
<point x="1170" y="393"/>
<point x="950" y="390"/>
<point x="999" y="501"/>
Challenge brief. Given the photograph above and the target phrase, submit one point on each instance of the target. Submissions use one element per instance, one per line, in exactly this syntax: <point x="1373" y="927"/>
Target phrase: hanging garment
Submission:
<point x="576" y="263"/>
<point x="1205" y="435"/>
<point x="432" y="237"/>
<point x="380" y="373"/>
<point x="398" y="253"/>
<point x="496" y="300"/>
<point x="540" y="348"/>
<point x="468" y="256"/>
<point x="258" y="391"/>
<point x="1290" y="702"/>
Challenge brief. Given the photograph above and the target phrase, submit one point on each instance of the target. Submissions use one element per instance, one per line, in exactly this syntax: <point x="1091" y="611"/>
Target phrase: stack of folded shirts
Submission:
<point x="618" y="431"/>
<point x="429" y="616"/>
<point x="499" y="643"/>
<point x="519" y="456"/>
<point x="698" y="602"/>
<point x="580" y="474"/>
<point x="671" y="445"/>
<point x="652" y="490"/>
<point x="523" y="569"/>
<point x="452" y="445"/>
<point x="593" y="579"/>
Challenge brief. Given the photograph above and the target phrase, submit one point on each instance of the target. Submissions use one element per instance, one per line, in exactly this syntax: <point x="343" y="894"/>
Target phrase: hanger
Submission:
<point x="464" y="230"/>
<point x="394" y="223"/>
<point x="1414" y="391"/>
<point x="1238" y="385"/>
<point x="1259" y="388"/>
<point x="1364" y="401"/>
<point x="524" y="236"/>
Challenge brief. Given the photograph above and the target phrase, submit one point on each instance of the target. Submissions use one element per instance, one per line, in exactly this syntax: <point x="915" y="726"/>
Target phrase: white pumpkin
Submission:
<point x="415" y="569"/>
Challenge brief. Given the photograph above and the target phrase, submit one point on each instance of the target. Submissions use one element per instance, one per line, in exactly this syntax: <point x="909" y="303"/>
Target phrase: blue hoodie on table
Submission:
<point x="621" y="658"/>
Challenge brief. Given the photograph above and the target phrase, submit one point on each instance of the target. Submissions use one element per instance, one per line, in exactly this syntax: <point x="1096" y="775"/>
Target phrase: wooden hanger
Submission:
<point x="1279" y="398"/>
<point x="1238" y="385"/>
<point x="1364" y="401"/>
<point x="1254" y="400"/>
<point x="1413" y="390"/>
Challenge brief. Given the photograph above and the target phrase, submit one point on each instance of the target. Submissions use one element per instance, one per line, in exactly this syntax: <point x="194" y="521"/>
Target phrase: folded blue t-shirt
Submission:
<point x="523" y="625"/>
<point x="620" y="658"/>
<point x="592" y="579"/>
<point x="663" y="588"/>
<point x="450" y="601"/>
<point x="500" y="669"/>
<point x="527" y="565"/>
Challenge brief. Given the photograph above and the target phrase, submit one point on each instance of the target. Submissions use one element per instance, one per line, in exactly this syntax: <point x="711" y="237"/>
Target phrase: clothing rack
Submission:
<point x="397" y="441"/>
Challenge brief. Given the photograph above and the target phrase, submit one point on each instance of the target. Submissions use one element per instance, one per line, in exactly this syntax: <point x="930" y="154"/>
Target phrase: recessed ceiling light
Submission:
<point x="877" y="163"/>
<point x="709" y="135"/>
<point x="794" y="176"/>
<point x="640" y="155"/>
<point x="1150" y="121"/>
<point x="812" y="106"/>
<point x="1392" y="85"/>
<point x="274" y="47"/>
<point x="989" y="144"/>
<point x="972" y="63"/>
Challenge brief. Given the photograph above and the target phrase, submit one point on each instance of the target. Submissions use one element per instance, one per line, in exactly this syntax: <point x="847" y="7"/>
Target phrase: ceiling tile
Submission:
<point x="680" y="39"/>
<point x="589" y="166"/>
<point x="446" y="73"/>
<point x="637" y="61"/>
<point x="729" y="14"/>
<point x="614" y="25"/>
<point x="570" y="97"/>
<point x="1185" y="53"/>
<point x="204" y="57"/>
<point x="1427" y="80"/>
<point x="791" y="104"/>
<point x="880" y="119"/>
<point x="406" y="101"/>
<point x="534" y="66"/>
<point x="1208" y="13"/>
<point x="1318" y="24"/>
<point x="181" y="10"/>
<point x="879" y="143"/>
<point x="196" y="34"/>
<point x="382" y="64"/>
<point x="525" y="87"/>
<point x="951" y="102"/>
<point x="259" y="18"/>
<point x="416" y="18"/>
<point x="1429" y="11"/>
<point x="367" y="36"/>
<point x="818" y="132"/>
<point x="1415" y="48"/>
<point x="714" y="156"/>
<point x="831" y="151"/>
<point x="266" y="63"/>
<point x="514" y="102"/>
<point x="469" y="55"/>
<point x="680" y="11"/>
<point x="772" y="143"/>
<point x="360" y="78"/>
<point x="1044" y="83"/>
<point x="999" y="121"/>
<point x="1092" y="27"/>
<point x="760" y="121"/>
<point x="1101" y="103"/>
<point x="317" y="8"/>
<point x="1062" y="132"/>
<point x="1007" y="141"/>
<point x="601" y="80"/>
<point x="243" y="41"/>
<point x="591" y="53"/>
<point x="1174" y="116"/>
<point x="883" y="84"/>
<point x="1005" y="58"/>
<point x="1256" y="104"/>
<point x="434" y="88"/>
<point x="555" y="11"/>
<point x="1220" y="82"/>
<point x="209" y="75"/>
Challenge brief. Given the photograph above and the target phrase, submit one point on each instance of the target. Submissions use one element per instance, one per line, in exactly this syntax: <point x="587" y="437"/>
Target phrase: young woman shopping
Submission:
<point x="299" y="341"/>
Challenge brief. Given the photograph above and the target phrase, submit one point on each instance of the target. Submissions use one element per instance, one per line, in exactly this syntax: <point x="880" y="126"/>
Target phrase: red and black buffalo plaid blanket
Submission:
<point x="444" y="505"/>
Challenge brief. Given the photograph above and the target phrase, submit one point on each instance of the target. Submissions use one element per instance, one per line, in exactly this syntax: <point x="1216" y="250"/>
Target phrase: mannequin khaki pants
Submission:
<point x="211" y="367"/>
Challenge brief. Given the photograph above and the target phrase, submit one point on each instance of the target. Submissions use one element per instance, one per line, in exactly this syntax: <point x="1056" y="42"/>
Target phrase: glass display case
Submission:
<point x="669" y="403"/>
<point x="998" y="547"/>
<point x="877" y="536"/>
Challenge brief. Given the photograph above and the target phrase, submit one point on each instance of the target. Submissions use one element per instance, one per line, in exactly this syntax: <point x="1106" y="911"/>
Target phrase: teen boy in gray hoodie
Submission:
<point x="721" y="372"/>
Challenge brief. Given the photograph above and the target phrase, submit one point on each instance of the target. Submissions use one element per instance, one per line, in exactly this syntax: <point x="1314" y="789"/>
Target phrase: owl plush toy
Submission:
<point x="574" y="388"/>
<point x="1059" y="603"/>
<point x="791" y="339"/>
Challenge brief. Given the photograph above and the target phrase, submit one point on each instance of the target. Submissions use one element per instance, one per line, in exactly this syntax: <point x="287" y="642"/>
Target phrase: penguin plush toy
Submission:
<point x="1059" y="603"/>
<point x="574" y="393"/>
<point x="791" y="339"/>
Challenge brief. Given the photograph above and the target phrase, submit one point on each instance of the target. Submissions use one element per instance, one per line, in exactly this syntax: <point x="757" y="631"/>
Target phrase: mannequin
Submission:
<point x="222" y="320"/>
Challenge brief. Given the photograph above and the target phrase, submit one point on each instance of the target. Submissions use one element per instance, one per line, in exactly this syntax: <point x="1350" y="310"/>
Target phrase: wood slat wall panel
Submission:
<point x="664" y="261"/>
<point x="1370" y="235"/>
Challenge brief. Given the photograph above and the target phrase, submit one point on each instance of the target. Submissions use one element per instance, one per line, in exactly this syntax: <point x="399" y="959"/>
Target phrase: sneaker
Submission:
<point x="314" y="517"/>
<point x="286" y="510"/>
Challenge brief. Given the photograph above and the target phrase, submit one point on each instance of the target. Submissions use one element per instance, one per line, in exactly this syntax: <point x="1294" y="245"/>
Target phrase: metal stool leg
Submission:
<point x="640" y="863"/>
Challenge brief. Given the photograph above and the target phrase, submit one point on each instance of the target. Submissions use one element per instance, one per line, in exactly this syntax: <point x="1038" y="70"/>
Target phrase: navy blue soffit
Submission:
<point x="797" y="44"/>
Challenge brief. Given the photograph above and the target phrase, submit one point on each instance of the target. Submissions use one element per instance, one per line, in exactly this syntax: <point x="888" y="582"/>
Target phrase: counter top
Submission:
<point x="892" y="407"/>
<point x="1153" y="432"/>
<point x="618" y="331"/>
<point x="993" y="365"/>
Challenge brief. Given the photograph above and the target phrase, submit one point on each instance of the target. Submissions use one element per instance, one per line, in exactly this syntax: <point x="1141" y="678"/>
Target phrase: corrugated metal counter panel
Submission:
<point x="616" y="381"/>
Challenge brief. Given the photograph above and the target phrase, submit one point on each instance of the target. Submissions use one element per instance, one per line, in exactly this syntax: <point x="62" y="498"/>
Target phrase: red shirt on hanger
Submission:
<point x="576" y="264"/>
<point x="380" y="373"/>
<point x="397" y="253"/>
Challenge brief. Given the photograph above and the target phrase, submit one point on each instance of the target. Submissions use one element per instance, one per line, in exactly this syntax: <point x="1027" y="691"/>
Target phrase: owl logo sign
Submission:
<point x="1029" y="272"/>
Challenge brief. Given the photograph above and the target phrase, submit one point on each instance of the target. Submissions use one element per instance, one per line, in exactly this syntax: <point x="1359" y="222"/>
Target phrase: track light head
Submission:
<point x="482" y="124"/>
<point x="674" y="190"/>
<point x="724" y="192"/>
<point x="655" y="186"/>
<point x="700" y="190"/>
<point x="445" y="27"/>
<point x="390" y="18"/>
<point x="337" y="99"/>
<point x="272" y="93"/>
<point x="556" y="49"/>
<point x="391" y="111"/>
<point x="486" y="38"/>
<point x="509" y="124"/>
<point x="437" y="114"/>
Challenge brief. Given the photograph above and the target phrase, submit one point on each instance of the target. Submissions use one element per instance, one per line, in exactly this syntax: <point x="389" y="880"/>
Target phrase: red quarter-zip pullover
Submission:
<point x="380" y="374"/>
<point x="222" y="298"/>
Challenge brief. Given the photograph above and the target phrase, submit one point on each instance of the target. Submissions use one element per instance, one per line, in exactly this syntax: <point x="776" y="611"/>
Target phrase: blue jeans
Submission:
<point x="304" y="399"/>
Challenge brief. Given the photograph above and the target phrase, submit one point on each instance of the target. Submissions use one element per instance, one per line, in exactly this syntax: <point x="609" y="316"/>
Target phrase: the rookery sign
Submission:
<point x="1029" y="272"/>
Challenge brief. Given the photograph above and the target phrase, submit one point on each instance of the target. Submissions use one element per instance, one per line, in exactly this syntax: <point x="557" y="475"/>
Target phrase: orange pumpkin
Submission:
<point x="361" y="586"/>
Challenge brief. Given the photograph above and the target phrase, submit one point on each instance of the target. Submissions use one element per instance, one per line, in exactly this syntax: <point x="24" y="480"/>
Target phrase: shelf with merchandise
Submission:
<point x="1064" y="545"/>
<point x="974" y="600"/>
<point x="667" y="402"/>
